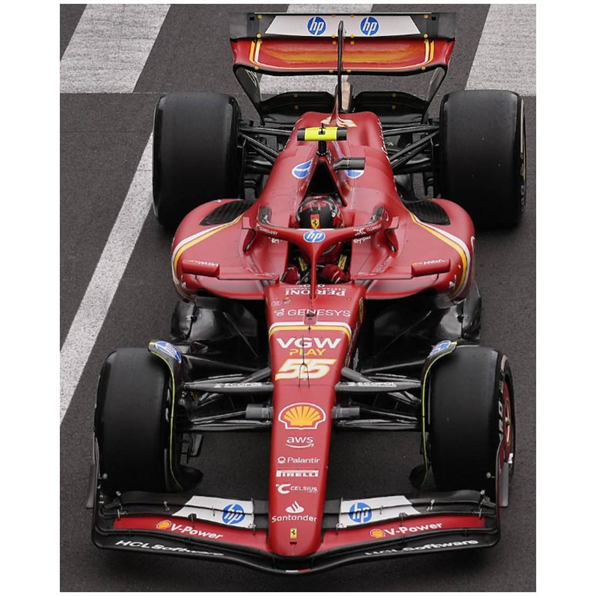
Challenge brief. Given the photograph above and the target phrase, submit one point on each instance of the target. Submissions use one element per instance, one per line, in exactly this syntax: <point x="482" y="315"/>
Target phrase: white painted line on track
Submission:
<point x="103" y="285"/>
<point x="271" y="85"/>
<point x="506" y="54"/>
<point x="109" y="47"/>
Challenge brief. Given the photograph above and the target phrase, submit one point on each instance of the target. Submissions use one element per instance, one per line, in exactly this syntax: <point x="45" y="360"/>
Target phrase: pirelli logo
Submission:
<point x="297" y="473"/>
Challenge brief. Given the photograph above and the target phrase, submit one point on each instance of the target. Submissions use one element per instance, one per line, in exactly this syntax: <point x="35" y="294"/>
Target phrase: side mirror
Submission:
<point x="349" y="163"/>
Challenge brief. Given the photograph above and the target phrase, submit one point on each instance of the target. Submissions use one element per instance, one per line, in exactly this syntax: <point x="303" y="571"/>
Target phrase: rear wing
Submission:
<point x="306" y="44"/>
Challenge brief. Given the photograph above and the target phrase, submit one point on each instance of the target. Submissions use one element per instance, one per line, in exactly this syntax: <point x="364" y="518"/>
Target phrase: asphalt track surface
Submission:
<point x="103" y="136"/>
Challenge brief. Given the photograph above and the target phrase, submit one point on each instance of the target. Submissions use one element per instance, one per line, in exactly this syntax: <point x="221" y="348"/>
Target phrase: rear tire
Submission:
<point x="130" y="422"/>
<point x="482" y="155"/>
<point x="195" y="154"/>
<point x="471" y="419"/>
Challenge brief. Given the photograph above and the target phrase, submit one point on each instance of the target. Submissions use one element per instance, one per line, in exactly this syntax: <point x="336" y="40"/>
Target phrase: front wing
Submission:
<point x="355" y="530"/>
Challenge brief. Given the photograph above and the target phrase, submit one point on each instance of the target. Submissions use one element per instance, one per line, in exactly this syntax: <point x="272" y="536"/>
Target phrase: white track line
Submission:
<point x="271" y="85"/>
<point x="506" y="54"/>
<point x="103" y="285"/>
<point x="109" y="47"/>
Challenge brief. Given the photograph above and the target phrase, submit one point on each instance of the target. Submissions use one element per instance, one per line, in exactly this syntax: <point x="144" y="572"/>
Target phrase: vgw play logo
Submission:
<point x="369" y="26"/>
<point x="316" y="26"/>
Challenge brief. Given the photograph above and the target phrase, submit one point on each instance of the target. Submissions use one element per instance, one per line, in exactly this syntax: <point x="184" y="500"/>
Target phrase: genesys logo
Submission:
<point x="297" y="473"/>
<point x="300" y="442"/>
<point x="400" y="531"/>
<point x="301" y="416"/>
<point x="233" y="514"/>
<point x="184" y="530"/>
<point x="286" y="489"/>
<point x="316" y="26"/>
<point x="282" y="459"/>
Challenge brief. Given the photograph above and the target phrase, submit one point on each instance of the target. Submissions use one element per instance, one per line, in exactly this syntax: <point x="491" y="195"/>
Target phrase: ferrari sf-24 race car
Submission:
<point x="321" y="291"/>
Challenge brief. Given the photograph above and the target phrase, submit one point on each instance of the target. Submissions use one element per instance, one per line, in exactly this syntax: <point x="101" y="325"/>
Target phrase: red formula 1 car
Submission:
<point x="320" y="293"/>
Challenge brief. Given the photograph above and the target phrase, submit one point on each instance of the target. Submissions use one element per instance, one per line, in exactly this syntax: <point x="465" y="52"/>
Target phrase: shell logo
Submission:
<point x="377" y="533"/>
<point x="302" y="415"/>
<point x="163" y="525"/>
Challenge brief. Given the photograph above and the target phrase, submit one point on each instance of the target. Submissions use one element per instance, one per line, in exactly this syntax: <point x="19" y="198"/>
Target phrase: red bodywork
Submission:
<point x="313" y="329"/>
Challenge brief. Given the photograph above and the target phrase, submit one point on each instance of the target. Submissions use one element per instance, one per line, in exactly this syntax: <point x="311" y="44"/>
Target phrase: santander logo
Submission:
<point x="295" y="508"/>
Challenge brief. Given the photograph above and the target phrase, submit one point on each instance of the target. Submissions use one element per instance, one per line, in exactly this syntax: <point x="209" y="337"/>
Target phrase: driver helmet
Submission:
<point x="322" y="211"/>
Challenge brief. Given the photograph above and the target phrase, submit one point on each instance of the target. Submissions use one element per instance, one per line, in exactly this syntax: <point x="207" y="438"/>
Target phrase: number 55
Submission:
<point x="309" y="368"/>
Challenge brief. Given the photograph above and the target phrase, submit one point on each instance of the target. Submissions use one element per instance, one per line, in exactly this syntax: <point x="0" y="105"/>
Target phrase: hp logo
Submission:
<point x="316" y="26"/>
<point x="233" y="514"/>
<point x="313" y="237"/>
<point x="301" y="170"/>
<point x="354" y="173"/>
<point x="360" y="513"/>
<point x="369" y="26"/>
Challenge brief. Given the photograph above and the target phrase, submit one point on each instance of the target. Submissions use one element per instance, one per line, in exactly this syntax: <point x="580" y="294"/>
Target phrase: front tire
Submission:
<point x="195" y="154"/>
<point x="131" y="424"/>
<point x="471" y="421"/>
<point x="483" y="155"/>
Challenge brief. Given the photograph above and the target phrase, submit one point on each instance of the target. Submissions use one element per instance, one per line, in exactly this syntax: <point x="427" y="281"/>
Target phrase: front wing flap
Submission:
<point x="353" y="531"/>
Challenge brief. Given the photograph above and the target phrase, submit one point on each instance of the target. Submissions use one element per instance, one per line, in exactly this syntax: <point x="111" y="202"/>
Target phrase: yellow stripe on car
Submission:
<point x="193" y="240"/>
<point x="456" y="244"/>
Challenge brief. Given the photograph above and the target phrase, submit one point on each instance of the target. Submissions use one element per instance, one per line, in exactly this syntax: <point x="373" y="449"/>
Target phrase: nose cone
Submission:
<point x="299" y="456"/>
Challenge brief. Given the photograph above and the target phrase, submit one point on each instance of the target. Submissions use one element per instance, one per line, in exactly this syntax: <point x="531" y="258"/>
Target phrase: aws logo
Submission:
<point x="302" y="415"/>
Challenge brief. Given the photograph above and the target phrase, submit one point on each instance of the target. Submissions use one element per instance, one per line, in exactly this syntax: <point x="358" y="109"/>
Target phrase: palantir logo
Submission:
<point x="369" y="26"/>
<point x="233" y="514"/>
<point x="316" y="26"/>
<point x="360" y="513"/>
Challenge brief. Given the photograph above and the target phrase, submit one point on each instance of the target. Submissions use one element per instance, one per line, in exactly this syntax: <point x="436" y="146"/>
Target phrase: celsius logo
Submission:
<point x="233" y="514"/>
<point x="360" y="513"/>
<point x="301" y="170"/>
<point x="316" y="26"/>
<point x="369" y="26"/>
<point x="314" y="237"/>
